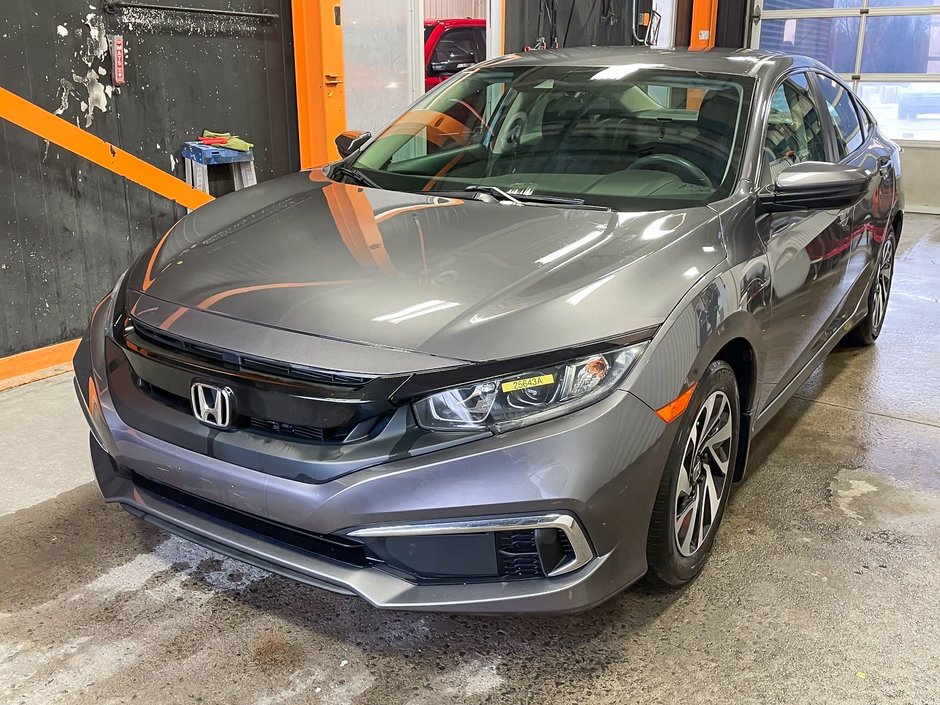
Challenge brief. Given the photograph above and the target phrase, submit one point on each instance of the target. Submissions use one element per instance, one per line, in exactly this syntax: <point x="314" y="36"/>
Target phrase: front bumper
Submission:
<point x="598" y="467"/>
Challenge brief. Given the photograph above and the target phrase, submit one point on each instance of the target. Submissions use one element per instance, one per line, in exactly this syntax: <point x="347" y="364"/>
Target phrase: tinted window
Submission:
<point x="456" y="50"/>
<point x="622" y="136"/>
<point x="794" y="130"/>
<point x="845" y="120"/>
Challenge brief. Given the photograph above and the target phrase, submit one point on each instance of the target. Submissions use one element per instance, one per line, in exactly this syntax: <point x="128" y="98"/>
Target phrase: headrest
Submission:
<point x="719" y="112"/>
<point x="562" y="109"/>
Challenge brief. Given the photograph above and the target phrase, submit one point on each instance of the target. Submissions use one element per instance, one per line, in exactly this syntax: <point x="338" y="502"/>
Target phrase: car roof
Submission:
<point x="742" y="62"/>
<point x="456" y="22"/>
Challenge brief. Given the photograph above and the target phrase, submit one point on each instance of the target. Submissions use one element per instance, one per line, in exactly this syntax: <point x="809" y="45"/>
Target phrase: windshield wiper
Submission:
<point x="354" y="173"/>
<point x="533" y="199"/>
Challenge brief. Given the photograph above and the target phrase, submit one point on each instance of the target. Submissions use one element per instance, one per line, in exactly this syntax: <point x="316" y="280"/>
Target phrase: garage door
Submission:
<point x="889" y="49"/>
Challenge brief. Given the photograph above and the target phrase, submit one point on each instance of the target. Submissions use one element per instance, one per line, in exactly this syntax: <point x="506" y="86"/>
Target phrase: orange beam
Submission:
<point x="36" y="364"/>
<point x="318" y="65"/>
<point x="704" y="22"/>
<point x="61" y="132"/>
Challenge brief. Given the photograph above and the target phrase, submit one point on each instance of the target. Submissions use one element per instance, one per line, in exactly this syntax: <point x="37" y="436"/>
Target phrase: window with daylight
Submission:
<point x="888" y="51"/>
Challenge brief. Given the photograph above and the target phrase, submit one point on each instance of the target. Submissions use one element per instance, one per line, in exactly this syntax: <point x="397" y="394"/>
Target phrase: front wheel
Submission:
<point x="868" y="330"/>
<point x="697" y="480"/>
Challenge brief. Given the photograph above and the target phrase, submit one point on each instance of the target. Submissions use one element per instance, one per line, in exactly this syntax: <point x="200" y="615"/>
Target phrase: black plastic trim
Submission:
<point x="422" y="384"/>
<point x="334" y="548"/>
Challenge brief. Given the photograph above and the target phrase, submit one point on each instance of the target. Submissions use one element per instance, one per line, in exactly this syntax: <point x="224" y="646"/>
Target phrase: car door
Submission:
<point x="856" y="146"/>
<point x="807" y="250"/>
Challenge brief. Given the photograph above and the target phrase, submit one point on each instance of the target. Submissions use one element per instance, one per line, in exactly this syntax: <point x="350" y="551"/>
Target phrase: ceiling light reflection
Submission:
<point x="581" y="294"/>
<point x="422" y="309"/>
<point x="571" y="247"/>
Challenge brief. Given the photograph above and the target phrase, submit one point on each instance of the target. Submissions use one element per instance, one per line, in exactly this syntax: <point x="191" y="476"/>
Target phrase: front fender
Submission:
<point x="707" y="319"/>
<point x="712" y="316"/>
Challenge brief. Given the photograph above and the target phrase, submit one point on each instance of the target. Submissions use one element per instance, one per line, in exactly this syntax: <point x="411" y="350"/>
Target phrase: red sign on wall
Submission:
<point x="117" y="60"/>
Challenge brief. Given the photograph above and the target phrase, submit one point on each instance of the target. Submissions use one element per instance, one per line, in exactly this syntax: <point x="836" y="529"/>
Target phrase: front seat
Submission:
<point x="717" y="119"/>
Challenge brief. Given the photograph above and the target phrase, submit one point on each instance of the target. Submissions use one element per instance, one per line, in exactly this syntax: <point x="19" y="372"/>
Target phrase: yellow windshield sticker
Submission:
<point x="518" y="385"/>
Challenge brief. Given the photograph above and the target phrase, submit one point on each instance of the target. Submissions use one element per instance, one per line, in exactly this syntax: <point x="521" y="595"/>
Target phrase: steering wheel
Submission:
<point x="673" y="164"/>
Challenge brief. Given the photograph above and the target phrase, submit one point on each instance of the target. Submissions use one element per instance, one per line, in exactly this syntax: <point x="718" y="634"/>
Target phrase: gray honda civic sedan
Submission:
<point x="509" y="354"/>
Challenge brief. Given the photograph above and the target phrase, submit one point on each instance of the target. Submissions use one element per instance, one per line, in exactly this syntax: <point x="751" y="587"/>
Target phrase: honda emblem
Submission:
<point x="213" y="406"/>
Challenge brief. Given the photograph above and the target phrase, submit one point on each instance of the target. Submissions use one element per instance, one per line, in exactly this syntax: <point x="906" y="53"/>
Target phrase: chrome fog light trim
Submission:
<point x="563" y="522"/>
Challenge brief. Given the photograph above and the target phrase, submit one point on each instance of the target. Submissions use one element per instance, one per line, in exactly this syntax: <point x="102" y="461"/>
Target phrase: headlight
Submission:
<point x="116" y="305"/>
<point x="521" y="399"/>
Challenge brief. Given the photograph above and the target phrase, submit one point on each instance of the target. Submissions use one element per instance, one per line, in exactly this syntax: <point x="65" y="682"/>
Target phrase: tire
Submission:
<point x="677" y="544"/>
<point x="869" y="328"/>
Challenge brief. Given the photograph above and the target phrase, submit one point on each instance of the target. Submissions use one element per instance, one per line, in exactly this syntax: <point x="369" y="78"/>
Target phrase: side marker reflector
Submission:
<point x="674" y="409"/>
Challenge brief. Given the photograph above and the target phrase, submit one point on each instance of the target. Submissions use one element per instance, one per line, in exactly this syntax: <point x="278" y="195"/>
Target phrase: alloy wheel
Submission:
<point x="706" y="463"/>
<point x="883" y="283"/>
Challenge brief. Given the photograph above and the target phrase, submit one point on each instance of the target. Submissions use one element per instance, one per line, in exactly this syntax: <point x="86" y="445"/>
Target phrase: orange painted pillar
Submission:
<point x="704" y="21"/>
<point x="318" y="63"/>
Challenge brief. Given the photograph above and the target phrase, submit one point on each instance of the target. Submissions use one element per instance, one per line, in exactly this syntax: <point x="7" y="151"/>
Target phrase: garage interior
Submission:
<point x="822" y="585"/>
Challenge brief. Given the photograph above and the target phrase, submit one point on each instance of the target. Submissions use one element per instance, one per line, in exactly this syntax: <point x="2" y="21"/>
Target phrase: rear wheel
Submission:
<point x="697" y="480"/>
<point x="868" y="330"/>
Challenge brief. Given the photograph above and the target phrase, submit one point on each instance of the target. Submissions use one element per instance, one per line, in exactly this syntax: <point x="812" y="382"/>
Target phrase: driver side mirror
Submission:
<point x="815" y="185"/>
<point x="350" y="141"/>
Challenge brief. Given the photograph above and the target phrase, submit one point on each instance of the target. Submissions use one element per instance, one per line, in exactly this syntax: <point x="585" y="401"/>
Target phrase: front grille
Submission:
<point x="303" y="433"/>
<point x="269" y="427"/>
<point x="329" y="546"/>
<point x="163" y="396"/>
<point x="239" y="361"/>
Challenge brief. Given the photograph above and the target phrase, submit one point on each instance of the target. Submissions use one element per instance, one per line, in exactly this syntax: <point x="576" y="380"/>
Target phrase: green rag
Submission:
<point x="233" y="141"/>
<point x="238" y="144"/>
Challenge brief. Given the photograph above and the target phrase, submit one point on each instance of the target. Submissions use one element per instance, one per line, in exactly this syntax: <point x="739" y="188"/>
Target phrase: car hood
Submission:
<point x="448" y="277"/>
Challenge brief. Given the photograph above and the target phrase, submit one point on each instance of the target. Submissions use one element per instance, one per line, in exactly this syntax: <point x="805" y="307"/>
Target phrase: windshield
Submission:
<point x="626" y="137"/>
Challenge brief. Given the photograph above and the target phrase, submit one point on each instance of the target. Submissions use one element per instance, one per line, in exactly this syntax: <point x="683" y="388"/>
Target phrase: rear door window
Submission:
<point x="848" y="128"/>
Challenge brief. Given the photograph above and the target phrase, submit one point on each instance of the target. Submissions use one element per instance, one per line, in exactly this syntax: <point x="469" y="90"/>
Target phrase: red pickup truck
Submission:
<point x="451" y="46"/>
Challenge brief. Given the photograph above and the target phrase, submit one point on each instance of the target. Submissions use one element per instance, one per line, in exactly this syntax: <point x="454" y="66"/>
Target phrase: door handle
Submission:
<point x="332" y="79"/>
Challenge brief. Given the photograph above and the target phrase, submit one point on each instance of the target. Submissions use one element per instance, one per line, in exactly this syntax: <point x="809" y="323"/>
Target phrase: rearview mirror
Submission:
<point x="815" y="185"/>
<point x="350" y="141"/>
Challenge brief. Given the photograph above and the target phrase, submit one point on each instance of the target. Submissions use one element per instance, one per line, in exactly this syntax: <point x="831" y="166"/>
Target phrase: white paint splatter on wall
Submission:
<point x="97" y="97"/>
<point x="85" y="87"/>
<point x="96" y="45"/>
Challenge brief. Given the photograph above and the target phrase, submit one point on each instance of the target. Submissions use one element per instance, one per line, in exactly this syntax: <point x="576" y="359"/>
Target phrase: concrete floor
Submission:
<point x="823" y="587"/>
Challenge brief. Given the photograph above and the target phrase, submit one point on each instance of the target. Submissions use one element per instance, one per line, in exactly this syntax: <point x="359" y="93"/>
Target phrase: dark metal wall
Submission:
<point x="580" y="23"/>
<point x="732" y="23"/>
<point x="68" y="227"/>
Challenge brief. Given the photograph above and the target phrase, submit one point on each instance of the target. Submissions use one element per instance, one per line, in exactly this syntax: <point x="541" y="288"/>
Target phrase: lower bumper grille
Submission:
<point x="335" y="548"/>
<point x="532" y="553"/>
